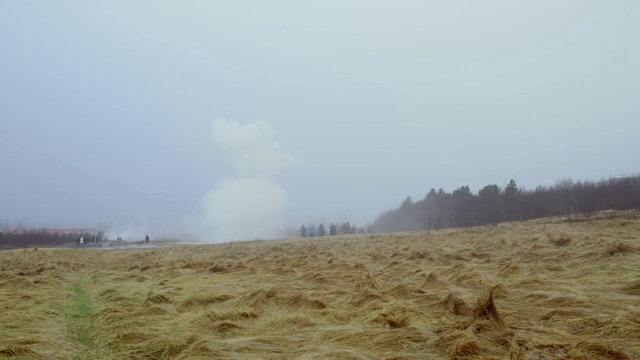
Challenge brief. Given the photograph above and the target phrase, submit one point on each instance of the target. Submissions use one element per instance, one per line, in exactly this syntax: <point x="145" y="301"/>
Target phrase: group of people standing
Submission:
<point x="344" y="228"/>
<point x="82" y="240"/>
<point x="311" y="230"/>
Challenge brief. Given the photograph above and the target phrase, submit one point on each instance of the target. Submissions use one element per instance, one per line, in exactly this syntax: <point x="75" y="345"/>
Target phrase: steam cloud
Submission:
<point x="251" y="204"/>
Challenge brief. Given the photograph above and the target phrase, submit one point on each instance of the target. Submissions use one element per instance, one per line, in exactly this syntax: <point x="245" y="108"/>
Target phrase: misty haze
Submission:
<point x="167" y="119"/>
<point x="468" y="152"/>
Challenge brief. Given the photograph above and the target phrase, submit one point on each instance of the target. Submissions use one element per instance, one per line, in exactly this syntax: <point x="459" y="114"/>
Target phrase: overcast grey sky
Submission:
<point x="107" y="107"/>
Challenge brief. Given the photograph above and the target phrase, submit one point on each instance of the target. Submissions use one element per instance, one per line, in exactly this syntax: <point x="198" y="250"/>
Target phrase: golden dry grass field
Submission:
<point x="558" y="288"/>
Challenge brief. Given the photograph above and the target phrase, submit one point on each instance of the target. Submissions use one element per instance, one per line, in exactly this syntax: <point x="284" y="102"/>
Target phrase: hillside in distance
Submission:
<point x="551" y="288"/>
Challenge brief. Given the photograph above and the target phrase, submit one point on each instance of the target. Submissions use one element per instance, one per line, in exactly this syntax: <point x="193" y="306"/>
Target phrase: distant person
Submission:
<point x="312" y="231"/>
<point x="321" y="230"/>
<point x="333" y="229"/>
<point x="303" y="231"/>
<point x="146" y="238"/>
<point x="77" y="240"/>
<point x="81" y="240"/>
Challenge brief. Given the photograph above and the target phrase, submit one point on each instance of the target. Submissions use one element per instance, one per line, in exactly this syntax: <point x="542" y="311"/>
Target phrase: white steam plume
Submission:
<point x="250" y="205"/>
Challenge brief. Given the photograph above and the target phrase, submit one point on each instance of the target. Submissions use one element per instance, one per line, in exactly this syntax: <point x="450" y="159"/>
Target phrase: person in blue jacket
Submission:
<point x="312" y="231"/>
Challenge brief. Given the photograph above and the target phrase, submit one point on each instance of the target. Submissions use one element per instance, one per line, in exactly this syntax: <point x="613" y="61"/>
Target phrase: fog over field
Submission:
<point x="229" y="121"/>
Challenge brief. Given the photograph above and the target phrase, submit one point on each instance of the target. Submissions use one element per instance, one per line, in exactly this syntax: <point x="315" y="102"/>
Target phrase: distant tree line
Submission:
<point x="21" y="235"/>
<point x="492" y="204"/>
<point x="37" y="237"/>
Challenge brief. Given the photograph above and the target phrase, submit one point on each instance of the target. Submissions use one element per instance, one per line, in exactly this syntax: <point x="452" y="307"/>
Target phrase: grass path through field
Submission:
<point x="78" y="314"/>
